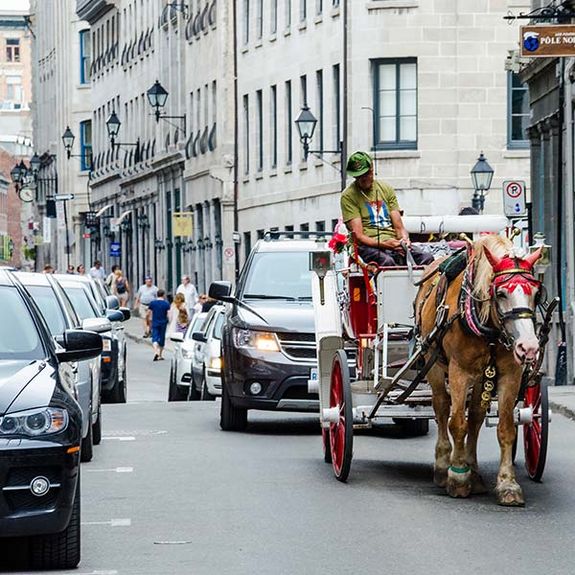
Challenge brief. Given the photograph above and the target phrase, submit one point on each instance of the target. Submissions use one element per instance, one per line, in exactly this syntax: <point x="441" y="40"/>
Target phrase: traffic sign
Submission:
<point x="514" y="198"/>
<point x="115" y="249"/>
<point x="64" y="197"/>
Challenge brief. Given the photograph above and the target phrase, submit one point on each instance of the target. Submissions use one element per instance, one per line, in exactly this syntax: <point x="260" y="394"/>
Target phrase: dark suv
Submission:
<point x="268" y="340"/>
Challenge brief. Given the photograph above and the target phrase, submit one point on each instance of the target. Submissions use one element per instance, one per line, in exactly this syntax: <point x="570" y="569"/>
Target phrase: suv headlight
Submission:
<point x="34" y="422"/>
<point x="260" y="340"/>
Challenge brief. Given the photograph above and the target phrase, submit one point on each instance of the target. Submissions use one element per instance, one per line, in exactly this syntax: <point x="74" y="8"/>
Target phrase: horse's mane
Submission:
<point x="498" y="246"/>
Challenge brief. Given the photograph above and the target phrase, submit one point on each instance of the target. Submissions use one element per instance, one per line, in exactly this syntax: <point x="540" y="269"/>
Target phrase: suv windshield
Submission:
<point x="46" y="300"/>
<point x="81" y="302"/>
<point x="19" y="338"/>
<point x="278" y="275"/>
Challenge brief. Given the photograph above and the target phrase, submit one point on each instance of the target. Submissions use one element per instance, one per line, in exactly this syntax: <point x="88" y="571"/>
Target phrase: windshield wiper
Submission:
<point x="266" y="296"/>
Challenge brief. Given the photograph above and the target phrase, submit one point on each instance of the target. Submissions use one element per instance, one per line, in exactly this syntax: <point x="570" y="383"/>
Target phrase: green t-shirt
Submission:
<point x="373" y="207"/>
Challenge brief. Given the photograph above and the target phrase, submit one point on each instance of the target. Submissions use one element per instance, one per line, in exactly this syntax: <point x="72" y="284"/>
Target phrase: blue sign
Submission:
<point x="115" y="250"/>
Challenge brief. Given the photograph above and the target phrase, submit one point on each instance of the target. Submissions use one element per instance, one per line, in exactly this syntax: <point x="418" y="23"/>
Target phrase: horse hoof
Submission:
<point x="510" y="496"/>
<point x="458" y="483"/>
<point x="477" y="484"/>
<point x="440" y="477"/>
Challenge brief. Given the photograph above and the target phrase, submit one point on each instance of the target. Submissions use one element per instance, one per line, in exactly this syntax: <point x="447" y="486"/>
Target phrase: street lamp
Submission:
<point x="481" y="175"/>
<point x="113" y="127"/>
<point x="68" y="141"/>
<point x="157" y="96"/>
<point x="306" y="123"/>
<point x="35" y="164"/>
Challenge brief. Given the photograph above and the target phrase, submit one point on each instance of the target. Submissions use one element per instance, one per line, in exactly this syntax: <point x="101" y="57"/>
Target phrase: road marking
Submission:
<point x="172" y="542"/>
<point x="100" y="572"/>
<point x="127" y="438"/>
<point x="112" y="522"/>
<point x="113" y="470"/>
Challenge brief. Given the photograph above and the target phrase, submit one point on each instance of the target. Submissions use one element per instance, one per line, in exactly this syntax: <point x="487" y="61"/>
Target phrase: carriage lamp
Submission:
<point x="320" y="263"/>
<point x="544" y="261"/>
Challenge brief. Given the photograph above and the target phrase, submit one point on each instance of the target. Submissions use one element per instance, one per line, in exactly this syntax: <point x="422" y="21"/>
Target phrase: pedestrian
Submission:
<point x="208" y="304"/>
<point x="110" y="277"/>
<point x="202" y="299"/>
<point x="190" y="293"/>
<point x="178" y="304"/>
<point x="159" y="309"/>
<point x="81" y="270"/>
<point x="48" y="269"/>
<point x="147" y="293"/>
<point x="97" y="271"/>
<point x="121" y="287"/>
<point x="70" y="269"/>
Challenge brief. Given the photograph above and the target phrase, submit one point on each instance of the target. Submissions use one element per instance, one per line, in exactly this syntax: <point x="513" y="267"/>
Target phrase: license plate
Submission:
<point x="313" y="374"/>
<point x="106" y="345"/>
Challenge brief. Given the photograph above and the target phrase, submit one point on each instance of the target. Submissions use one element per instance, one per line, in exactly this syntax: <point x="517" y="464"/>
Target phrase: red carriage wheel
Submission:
<point x="341" y="433"/>
<point x="535" y="434"/>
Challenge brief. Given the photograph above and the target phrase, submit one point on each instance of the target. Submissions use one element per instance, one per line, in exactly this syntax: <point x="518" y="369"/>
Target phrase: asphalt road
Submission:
<point x="169" y="493"/>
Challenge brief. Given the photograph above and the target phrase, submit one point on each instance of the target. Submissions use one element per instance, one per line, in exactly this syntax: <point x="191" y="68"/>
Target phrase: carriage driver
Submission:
<point x="370" y="211"/>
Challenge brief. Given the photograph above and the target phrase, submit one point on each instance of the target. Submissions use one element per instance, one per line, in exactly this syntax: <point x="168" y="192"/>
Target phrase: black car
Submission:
<point x="268" y="340"/>
<point x="40" y="430"/>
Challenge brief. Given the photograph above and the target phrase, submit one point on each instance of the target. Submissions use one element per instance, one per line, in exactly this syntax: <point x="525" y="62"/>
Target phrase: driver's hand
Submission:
<point x="394" y="244"/>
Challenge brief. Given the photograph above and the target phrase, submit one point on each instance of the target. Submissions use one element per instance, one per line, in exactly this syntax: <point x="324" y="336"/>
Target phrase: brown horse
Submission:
<point x="505" y="292"/>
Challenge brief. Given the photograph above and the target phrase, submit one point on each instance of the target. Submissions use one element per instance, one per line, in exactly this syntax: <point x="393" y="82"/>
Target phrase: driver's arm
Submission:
<point x="355" y="225"/>
<point x="398" y="226"/>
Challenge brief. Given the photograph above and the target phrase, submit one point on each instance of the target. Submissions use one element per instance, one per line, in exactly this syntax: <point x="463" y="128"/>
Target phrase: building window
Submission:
<point x="260" y="19"/>
<point x="395" y="103"/>
<point x="320" y="226"/>
<point x="260" y="130"/>
<point x="13" y="49"/>
<point x="289" y="122"/>
<point x="274" y="16"/>
<point x="246" y="22"/>
<point x="14" y="93"/>
<point x="86" y="144"/>
<point x="260" y="234"/>
<point x="274" y="126"/>
<point x="246" y="135"/>
<point x="288" y="14"/>
<point x="304" y="227"/>
<point x="289" y="229"/>
<point x="336" y="107"/>
<point x="517" y="112"/>
<point x="319" y="83"/>
<point x="85" y="56"/>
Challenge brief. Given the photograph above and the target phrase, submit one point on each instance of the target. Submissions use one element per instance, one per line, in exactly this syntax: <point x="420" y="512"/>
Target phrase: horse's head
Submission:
<point x="514" y="293"/>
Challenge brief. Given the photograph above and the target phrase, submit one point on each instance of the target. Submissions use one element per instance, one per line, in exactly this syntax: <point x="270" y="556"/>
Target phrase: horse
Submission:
<point x="500" y="289"/>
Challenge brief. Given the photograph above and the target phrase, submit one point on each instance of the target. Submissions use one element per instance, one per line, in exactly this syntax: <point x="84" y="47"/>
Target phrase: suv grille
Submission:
<point x="298" y="346"/>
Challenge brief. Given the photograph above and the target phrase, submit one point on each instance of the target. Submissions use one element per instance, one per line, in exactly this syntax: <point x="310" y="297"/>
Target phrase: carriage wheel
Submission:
<point x="535" y="434"/>
<point x="341" y="433"/>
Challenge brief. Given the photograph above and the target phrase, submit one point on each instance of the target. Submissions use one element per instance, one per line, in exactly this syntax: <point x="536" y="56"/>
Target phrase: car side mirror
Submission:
<point x="126" y="313"/>
<point x="112" y="302"/>
<point x="97" y="324"/>
<point x="177" y="337"/>
<point x="114" y="315"/>
<point x="199" y="336"/>
<point x="78" y="345"/>
<point x="221" y="291"/>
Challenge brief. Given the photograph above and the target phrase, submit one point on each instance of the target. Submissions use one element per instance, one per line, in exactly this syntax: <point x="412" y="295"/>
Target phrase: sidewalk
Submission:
<point x="561" y="399"/>
<point x="133" y="328"/>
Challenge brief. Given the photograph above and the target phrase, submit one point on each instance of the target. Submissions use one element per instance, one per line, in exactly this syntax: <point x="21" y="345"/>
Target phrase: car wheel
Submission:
<point x="118" y="392"/>
<point x="206" y="395"/>
<point x="59" y="550"/>
<point x="231" y="418"/>
<point x="413" y="427"/>
<point x="175" y="392"/>
<point x="87" y="451"/>
<point x="97" y="428"/>
<point x="193" y="393"/>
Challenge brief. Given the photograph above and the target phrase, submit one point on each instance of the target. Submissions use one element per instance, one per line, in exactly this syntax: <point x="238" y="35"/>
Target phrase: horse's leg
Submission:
<point x="459" y="473"/>
<point x="507" y="489"/>
<point x="475" y="418"/>
<point x="436" y="378"/>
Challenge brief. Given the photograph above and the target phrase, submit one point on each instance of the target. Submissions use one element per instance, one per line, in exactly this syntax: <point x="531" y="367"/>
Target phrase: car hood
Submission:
<point x="30" y="383"/>
<point x="280" y="315"/>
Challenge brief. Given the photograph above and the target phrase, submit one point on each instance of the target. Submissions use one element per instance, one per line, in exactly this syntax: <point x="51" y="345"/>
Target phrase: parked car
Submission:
<point x="207" y="357"/>
<point x="181" y="368"/>
<point x="268" y="339"/>
<point x="114" y="360"/>
<point x="113" y="386"/>
<point x="40" y="430"/>
<point x="60" y="316"/>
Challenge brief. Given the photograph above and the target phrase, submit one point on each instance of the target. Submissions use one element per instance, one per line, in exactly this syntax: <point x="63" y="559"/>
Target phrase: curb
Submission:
<point x="138" y="338"/>
<point x="558" y="408"/>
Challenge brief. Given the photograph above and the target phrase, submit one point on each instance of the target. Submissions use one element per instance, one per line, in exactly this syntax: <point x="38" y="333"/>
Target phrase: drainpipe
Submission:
<point x="569" y="213"/>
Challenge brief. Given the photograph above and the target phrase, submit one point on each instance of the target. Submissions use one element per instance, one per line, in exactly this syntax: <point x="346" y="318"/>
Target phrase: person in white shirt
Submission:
<point x="147" y="293"/>
<point x="190" y="293"/>
<point x="97" y="271"/>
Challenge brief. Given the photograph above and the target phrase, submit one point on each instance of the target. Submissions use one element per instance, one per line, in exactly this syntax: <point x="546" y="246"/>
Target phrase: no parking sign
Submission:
<point x="514" y="198"/>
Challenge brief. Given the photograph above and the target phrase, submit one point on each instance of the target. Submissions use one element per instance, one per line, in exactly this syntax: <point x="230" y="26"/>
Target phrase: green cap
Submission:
<point x="358" y="164"/>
